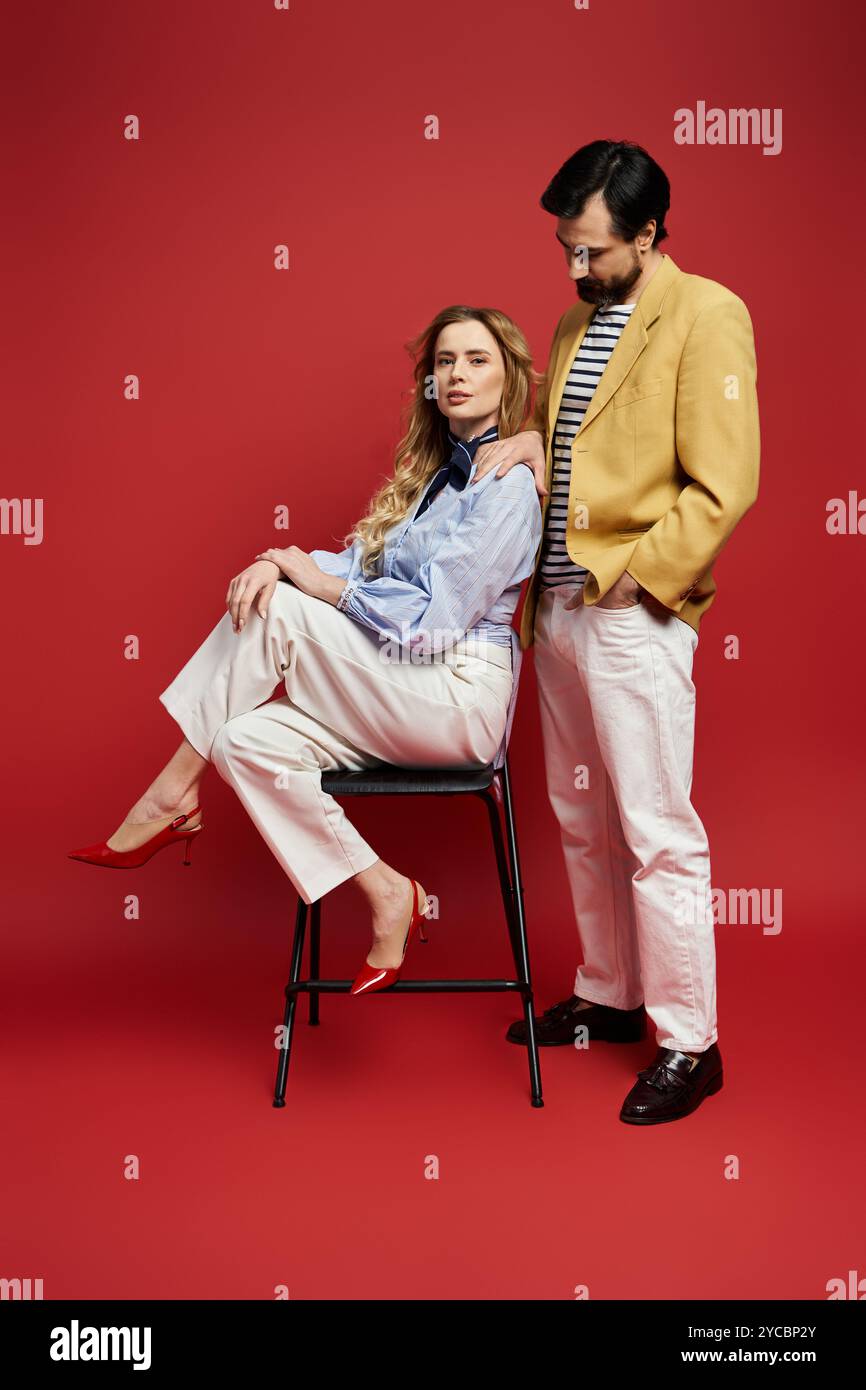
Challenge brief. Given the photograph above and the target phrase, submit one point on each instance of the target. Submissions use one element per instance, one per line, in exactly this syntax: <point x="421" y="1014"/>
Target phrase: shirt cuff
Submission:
<point x="346" y="594"/>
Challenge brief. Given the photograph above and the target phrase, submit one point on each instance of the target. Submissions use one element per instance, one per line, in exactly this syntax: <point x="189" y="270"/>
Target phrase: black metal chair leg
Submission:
<point x="504" y="873"/>
<point x="523" y="947"/>
<point x="291" y="1001"/>
<point x="315" y="916"/>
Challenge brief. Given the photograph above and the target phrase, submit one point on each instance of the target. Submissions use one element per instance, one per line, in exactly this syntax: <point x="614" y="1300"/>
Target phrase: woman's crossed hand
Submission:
<point x="257" y="582"/>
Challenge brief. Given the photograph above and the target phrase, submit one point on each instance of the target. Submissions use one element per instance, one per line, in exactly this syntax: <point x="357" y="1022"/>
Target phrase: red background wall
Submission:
<point x="153" y="1037"/>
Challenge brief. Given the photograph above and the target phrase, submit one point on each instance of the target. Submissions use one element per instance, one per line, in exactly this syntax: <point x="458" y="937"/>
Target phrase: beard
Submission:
<point x="613" y="291"/>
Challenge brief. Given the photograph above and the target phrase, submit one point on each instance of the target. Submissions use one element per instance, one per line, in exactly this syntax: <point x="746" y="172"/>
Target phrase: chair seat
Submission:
<point x="388" y="780"/>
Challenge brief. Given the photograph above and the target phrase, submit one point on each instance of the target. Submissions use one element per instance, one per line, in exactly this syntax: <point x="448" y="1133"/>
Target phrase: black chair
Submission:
<point x="493" y="784"/>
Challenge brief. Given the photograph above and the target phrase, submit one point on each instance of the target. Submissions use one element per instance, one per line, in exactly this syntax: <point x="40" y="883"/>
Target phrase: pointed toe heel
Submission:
<point x="372" y="978"/>
<point x="133" y="858"/>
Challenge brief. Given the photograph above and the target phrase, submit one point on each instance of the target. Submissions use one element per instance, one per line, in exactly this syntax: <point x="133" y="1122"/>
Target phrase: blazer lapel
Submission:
<point x="631" y="344"/>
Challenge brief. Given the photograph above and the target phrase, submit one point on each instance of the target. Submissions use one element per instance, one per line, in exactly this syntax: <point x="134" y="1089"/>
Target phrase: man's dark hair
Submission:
<point x="633" y="186"/>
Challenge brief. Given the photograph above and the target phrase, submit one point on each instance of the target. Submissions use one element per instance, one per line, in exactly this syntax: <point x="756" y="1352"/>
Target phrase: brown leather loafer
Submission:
<point x="555" y="1027"/>
<point x="673" y="1086"/>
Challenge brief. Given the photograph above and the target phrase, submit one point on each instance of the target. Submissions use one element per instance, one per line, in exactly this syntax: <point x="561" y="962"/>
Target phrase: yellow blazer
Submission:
<point x="666" y="458"/>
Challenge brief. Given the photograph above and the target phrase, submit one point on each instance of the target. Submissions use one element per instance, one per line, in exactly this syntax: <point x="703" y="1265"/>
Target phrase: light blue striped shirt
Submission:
<point x="457" y="570"/>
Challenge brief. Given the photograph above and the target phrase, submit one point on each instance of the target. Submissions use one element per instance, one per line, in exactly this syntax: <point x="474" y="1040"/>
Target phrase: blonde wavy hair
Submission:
<point x="424" y="446"/>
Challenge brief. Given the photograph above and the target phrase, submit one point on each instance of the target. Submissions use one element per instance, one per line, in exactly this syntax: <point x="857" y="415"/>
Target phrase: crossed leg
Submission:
<point x="448" y="713"/>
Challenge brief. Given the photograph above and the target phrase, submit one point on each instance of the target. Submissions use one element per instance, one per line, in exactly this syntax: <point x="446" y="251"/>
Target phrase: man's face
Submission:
<point x="604" y="267"/>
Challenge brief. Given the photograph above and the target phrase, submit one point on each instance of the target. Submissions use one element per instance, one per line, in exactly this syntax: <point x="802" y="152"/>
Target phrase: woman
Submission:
<point x="396" y="650"/>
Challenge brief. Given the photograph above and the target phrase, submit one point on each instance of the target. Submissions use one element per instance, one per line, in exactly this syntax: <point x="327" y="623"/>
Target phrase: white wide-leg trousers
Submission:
<point x="350" y="702"/>
<point x="617" y="708"/>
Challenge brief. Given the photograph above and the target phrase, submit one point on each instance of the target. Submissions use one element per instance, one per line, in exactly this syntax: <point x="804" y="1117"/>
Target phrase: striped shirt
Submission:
<point x="453" y="569"/>
<point x="599" y="341"/>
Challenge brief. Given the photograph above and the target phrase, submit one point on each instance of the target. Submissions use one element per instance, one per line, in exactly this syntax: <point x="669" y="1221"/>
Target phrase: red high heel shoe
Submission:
<point x="134" y="858"/>
<point x="373" y="977"/>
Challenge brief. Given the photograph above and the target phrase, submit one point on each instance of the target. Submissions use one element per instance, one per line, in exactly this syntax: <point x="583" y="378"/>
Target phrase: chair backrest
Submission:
<point x="516" y="664"/>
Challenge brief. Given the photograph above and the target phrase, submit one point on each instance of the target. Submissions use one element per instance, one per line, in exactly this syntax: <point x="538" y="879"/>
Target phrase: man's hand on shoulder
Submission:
<point x="502" y="454"/>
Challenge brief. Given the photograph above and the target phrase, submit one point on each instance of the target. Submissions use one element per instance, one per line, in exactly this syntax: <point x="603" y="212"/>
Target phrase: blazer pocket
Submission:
<point x="637" y="391"/>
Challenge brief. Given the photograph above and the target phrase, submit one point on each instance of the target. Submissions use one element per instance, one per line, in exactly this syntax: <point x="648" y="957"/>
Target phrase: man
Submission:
<point x="645" y="447"/>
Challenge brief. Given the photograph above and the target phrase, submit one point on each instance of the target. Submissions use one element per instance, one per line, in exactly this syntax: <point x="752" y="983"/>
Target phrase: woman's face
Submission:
<point x="470" y="373"/>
